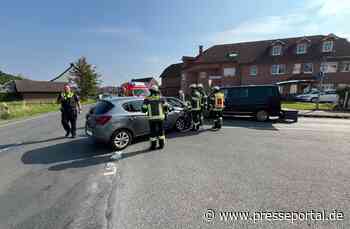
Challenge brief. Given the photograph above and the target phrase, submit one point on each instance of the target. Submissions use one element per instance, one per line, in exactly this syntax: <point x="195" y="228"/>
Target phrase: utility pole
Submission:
<point x="322" y="73"/>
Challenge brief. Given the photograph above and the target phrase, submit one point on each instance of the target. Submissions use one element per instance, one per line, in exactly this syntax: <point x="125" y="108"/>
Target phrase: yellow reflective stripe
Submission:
<point x="162" y="137"/>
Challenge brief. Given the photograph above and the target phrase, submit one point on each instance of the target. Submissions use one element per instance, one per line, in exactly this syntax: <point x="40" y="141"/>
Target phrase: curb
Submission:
<point x="323" y="116"/>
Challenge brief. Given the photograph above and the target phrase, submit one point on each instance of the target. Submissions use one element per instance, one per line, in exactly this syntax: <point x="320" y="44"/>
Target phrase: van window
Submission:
<point x="133" y="106"/>
<point x="102" y="107"/>
<point x="243" y="93"/>
<point x="233" y="93"/>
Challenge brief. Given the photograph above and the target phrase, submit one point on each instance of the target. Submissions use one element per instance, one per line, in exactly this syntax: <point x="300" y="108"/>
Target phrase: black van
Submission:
<point x="260" y="101"/>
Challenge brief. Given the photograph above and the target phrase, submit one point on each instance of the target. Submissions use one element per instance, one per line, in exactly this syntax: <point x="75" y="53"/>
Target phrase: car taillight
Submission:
<point x="101" y="120"/>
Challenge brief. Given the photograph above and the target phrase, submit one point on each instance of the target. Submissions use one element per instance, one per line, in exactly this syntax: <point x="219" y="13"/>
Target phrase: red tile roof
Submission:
<point x="259" y="51"/>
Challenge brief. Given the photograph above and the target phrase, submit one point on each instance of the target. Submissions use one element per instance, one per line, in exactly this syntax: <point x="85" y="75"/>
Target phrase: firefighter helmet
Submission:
<point x="200" y="86"/>
<point x="216" y="89"/>
<point x="193" y="86"/>
<point x="154" y="88"/>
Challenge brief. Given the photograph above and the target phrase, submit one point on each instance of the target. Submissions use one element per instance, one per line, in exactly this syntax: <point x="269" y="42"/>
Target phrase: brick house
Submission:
<point x="292" y="63"/>
<point x="171" y="80"/>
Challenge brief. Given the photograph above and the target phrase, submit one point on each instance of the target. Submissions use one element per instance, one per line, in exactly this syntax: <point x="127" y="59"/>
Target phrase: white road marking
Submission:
<point x="4" y="149"/>
<point x="111" y="169"/>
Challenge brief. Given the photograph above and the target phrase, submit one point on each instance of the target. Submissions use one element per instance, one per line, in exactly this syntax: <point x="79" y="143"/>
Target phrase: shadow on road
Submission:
<point x="250" y="123"/>
<point x="69" y="151"/>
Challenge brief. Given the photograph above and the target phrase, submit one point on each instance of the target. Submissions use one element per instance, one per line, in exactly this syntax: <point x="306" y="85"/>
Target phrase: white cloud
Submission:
<point x="316" y="17"/>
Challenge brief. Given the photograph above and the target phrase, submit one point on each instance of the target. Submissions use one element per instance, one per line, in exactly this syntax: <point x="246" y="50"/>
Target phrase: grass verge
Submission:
<point x="21" y="109"/>
<point x="306" y="106"/>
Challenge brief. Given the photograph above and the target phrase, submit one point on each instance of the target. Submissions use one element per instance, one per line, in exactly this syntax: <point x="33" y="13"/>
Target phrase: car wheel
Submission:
<point x="180" y="124"/>
<point x="314" y="100"/>
<point x="121" y="139"/>
<point x="262" y="116"/>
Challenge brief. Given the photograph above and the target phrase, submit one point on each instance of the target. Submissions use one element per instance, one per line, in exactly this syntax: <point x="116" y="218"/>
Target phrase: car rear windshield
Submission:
<point x="103" y="107"/>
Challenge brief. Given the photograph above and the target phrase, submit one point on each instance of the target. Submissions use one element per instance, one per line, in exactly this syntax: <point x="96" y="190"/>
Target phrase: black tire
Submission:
<point x="313" y="100"/>
<point x="122" y="136"/>
<point x="262" y="116"/>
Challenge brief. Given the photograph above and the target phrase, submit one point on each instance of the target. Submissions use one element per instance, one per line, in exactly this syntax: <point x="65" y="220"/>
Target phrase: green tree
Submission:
<point x="5" y="77"/>
<point x="84" y="75"/>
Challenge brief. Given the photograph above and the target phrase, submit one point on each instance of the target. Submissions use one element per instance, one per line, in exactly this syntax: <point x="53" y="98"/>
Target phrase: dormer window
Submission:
<point x="301" y="48"/>
<point x="327" y="46"/>
<point x="276" y="50"/>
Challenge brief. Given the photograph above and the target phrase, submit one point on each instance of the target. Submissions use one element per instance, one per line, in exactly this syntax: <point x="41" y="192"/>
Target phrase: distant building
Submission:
<point x="30" y="90"/>
<point x="109" y="90"/>
<point x="294" y="64"/>
<point x="171" y="80"/>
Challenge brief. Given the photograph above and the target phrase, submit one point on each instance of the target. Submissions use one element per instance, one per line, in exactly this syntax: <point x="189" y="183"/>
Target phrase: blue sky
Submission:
<point x="129" y="39"/>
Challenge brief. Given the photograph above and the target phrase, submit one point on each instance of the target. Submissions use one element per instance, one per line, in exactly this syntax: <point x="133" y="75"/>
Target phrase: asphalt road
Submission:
<point x="52" y="182"/>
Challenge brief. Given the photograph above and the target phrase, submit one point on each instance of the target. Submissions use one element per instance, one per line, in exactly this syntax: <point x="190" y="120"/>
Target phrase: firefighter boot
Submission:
<point x="153" y="143"/>
<point x="161" y="142"/>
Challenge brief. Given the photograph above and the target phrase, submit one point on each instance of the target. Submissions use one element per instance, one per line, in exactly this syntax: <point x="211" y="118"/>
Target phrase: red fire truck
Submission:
<point x="134" y="89"/>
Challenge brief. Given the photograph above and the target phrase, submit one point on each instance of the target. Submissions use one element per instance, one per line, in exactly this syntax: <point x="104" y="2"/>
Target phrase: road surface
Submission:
<point x="48" y="181"/>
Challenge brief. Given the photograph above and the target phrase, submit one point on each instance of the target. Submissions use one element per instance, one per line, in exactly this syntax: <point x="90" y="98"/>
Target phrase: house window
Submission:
<point x="329" y="67"/>
<point x="308" y="68"/>
<point x="202" y="75"/>
<point x="327" y="46"/>
<point x="278" y="69"/>
<point x="253" y="71"/>
<point x="301" y="48"/>
<point x="229" y="71"/>
<point x="293" y="89"/>
<point x="276" y="50"/>
<point x="345" y="67"/>
<point x="297" y="69"/>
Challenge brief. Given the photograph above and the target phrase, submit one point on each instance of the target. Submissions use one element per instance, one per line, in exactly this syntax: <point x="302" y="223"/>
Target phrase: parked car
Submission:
<point x="328" y="96"/>
<point x="119" y="120"/>
<point x="259" y="101"/>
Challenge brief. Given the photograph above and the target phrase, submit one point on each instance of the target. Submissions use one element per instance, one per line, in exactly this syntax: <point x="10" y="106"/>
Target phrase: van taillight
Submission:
<point x="101" y="120"/>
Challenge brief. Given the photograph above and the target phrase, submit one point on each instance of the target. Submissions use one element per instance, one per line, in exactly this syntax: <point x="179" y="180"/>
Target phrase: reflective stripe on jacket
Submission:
<point x="154" y="106"/>
<point x="219" y="101"/>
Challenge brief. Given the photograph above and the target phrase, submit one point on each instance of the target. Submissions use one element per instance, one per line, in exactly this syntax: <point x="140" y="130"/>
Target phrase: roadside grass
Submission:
<point x="306" y="106"/>
<point x="21" y="109"/>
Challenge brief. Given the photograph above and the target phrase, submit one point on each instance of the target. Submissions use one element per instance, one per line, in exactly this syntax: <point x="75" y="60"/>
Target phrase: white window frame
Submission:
<point x="345" y="66"/>
<point x="327" y="46"/>
<point x="278" y="68"/>
<point x="326" y="65"/>
<point x="301" y="50"/>
<point x="229" y="72"/>
<point x="276" y="50"/>
<point x="297" y="70"/>
<point x="253" y="73"/>
<point x="308" y="72"/>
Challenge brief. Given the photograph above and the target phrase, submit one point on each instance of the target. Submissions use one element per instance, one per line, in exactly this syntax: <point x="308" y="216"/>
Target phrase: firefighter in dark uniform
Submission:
<point x="216" y="103"/>
<point x="70" y="107"/>
<point x="157" y="109"/>
<point x="195" y="102"/>
<point x="203" y="102"/>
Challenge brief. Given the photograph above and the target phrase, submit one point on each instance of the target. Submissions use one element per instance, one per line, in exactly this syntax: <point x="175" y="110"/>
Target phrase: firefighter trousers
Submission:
<point x="69" y="121"/>
<point x="157" y="130"/>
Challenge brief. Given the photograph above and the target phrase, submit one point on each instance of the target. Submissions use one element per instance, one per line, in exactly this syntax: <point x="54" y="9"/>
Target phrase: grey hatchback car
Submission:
<point x="118" y="120"/>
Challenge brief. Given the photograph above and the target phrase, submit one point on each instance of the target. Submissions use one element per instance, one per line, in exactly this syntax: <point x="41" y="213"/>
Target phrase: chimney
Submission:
<point x="200" y="50"/>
